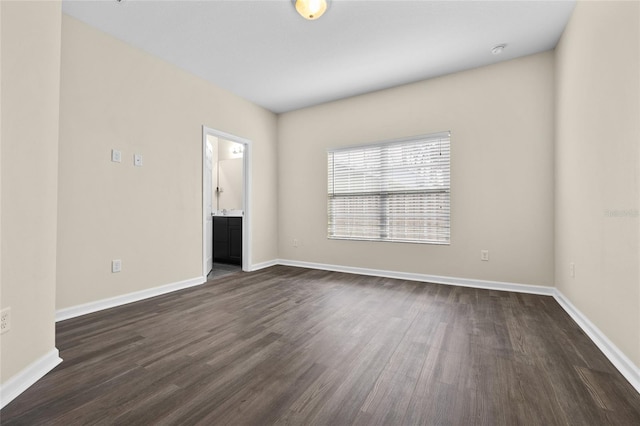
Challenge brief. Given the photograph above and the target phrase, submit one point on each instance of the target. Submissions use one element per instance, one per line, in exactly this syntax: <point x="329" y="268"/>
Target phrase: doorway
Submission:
<point x="230" y="202"/>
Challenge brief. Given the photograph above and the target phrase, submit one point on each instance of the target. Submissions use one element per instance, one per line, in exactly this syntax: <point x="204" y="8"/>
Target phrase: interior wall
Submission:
<point x="150" y="217"/>
<point x="598" y="168"/>
<point x="30" y="46"/>
<point x="501" y="123"/>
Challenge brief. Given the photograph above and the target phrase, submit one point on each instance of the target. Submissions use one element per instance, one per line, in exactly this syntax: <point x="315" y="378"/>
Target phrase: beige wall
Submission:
<point x="501" y="122"/>
<point x="598" y="168"/>
<point x="115" y="96"/>
<point x="30" y="106"/>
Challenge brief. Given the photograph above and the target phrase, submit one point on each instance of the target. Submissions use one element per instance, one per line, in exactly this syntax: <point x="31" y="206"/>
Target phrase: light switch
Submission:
<point x="116" y="156"/>
<point x="137" y="160"/>
<point x="484" y="255"/>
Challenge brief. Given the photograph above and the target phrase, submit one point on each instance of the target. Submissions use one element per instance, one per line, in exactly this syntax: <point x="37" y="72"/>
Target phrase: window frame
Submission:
<point x="442" y="233"/>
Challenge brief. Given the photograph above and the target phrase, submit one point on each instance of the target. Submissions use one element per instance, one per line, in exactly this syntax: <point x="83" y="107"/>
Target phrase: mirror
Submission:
<point x="227" y="165"/>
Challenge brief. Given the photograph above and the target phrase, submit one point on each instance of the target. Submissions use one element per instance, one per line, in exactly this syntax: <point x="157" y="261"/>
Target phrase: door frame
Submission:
<point x="246" y="195"/>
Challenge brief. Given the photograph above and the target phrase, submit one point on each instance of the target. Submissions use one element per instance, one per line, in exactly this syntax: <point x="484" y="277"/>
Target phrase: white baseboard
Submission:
<point x="112" y="302"/>
<point x="437" y="279"/>
<point x="27" y="377"/>
<point x="620" y="361"/>
<point x="262" y="265"/>
<point x="625" y="366"/>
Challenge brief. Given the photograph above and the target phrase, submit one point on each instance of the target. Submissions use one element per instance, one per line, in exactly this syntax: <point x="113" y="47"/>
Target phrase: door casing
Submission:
<point x="246" y="196"/>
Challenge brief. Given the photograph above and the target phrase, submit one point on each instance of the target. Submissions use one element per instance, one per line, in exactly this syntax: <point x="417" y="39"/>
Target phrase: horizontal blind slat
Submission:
<point x="391" y="192"/>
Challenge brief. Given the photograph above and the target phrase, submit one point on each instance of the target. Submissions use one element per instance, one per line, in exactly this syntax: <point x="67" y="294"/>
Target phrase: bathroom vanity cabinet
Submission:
<point x="227" y="239"/>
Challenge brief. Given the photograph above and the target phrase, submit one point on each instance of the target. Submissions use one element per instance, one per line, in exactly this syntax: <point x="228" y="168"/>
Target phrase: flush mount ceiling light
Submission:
<point x="310" y="9"/>
<point x="498" y="49"/>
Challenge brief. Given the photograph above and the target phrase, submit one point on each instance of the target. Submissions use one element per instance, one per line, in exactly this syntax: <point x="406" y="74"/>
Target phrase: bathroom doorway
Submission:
<point x="225" y="202"/>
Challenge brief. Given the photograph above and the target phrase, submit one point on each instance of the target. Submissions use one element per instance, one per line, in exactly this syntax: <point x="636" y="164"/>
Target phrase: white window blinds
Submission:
<point x="393" y="191"/>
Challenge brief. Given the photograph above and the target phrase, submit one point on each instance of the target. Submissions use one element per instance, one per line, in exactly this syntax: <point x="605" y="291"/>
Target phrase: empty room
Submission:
<point x="320" y="212"/>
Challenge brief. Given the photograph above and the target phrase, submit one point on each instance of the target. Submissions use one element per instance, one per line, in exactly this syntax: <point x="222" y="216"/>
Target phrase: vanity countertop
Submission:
<point x="228" y="213"/>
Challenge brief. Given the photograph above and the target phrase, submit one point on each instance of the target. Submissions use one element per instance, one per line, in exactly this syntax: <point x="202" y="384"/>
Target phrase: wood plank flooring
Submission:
<point x="293" y="346"/>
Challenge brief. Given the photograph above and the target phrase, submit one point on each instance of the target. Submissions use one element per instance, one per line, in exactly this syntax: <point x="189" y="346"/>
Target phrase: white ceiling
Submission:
<point x="266" y="53"/>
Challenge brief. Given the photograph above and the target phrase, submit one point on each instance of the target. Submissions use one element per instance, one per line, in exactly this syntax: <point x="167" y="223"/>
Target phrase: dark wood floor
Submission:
<point x="296" y="346"/>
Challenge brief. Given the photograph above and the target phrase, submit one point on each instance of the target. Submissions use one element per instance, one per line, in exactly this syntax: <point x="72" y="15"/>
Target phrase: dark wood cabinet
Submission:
<point x="227" y="239"/>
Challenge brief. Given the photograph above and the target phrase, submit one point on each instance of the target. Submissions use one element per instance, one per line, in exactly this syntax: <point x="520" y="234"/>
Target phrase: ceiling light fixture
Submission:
<point x="311" y="9"/>
<point x="498" y="49"/>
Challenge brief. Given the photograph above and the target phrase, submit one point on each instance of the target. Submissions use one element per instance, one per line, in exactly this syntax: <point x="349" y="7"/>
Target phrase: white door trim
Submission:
<point x="246" y="195"/>
<point x="207" y="200"/>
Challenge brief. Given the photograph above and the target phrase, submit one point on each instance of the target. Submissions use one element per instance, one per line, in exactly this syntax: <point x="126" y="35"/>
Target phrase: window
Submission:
<point x="392" y="191"/>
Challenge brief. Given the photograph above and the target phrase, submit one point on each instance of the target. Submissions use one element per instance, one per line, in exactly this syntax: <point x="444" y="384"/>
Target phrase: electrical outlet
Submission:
<point x="137" y="160"/>
<point x="572" y="269"/>
<point x="484" y="255"/>
<point x="5" y="320"/>
<point x="116" y="265"/>
<point x="295" y="242"/>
